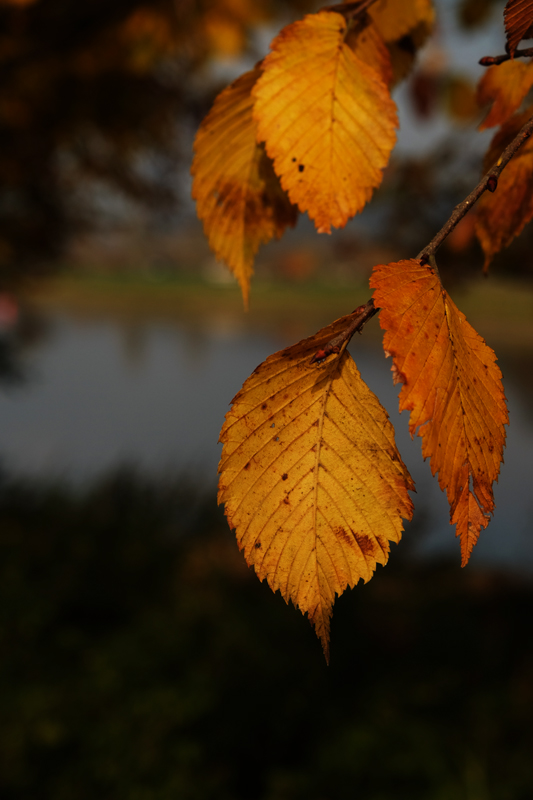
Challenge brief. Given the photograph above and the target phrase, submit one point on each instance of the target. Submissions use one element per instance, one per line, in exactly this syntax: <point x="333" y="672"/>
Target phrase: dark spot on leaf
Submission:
<point x="286" y="501"/>
<point x="277" y="439"/>
<point x="301" y="167"/>
<point x="294" y="159"/>
<point x="264" y="405"/>
<point x="247" y="466"/>
<point x="366" y="544"/>
<point x="345" y="536"/>
<point x="284" y="476"/>
<point x="257" y="545"/>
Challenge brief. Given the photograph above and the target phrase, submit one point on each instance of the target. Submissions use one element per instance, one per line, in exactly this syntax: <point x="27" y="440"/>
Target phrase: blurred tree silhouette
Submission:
<point x="142" y="659"/>
<point x="91" y="95"/>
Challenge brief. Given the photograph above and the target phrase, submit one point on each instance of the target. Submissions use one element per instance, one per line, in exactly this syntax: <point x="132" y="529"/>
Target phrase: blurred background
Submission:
<point x="140" y="658"/>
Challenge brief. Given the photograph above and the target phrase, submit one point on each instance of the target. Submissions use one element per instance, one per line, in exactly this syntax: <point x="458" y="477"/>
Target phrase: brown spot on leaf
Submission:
<point x="284" y="476"/>
<point x="344" y="535"/>
<point x="365" y="543"/>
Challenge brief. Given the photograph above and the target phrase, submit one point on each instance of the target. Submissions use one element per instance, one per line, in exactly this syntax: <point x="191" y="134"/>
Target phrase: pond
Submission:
<point x="101" y="389"/>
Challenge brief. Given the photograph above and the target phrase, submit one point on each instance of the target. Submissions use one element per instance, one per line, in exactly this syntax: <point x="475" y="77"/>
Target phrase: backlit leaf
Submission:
<point x="238" y="195"/>
<point x="327" y="119"/>
<point x="452" y="387"/>
<point x="311" y="478"/>
<point x="504" y="86"/>
<point x="502" y="215"/>
<point x="518" y="15"/>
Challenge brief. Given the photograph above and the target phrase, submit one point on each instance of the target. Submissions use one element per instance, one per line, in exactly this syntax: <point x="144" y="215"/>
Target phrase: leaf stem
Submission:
<point x="489" y="182"/>
<point x="490" y="61"/>
<point x="360" y="317"/>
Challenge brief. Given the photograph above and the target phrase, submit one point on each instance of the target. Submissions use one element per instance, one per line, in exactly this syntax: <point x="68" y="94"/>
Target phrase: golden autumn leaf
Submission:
<point x="518" y="15"/>
<point x="502" y="215"/>
<point x="504" y="86"/>
<point x="327" y="119"/>
<point x="238" y="195"/>
<point x="452" y="387"/>
<point x="311" y="478"/>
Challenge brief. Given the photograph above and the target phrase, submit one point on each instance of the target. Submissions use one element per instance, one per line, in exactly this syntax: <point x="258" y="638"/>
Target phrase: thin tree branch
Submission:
<point x="490" y="61"/>
<point x="360" y="317"/>
<point x="489" y="183"/>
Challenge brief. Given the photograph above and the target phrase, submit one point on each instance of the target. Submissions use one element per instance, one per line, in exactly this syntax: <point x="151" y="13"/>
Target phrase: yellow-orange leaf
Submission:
<point x="397" y="18"/>
<point x="311" y="478"/>
<point x="238" y="195"/>
<point x="327" y="119"/>
<point x="518" y="15"/>
<point x="505" y="86"/>
<point x="452" y="387"/>
<point x="502" y="215"/>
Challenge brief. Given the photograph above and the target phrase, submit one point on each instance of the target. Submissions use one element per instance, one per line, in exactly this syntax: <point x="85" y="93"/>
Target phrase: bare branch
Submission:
<point x="490" y="61"/>
<point x="489" y="183"/>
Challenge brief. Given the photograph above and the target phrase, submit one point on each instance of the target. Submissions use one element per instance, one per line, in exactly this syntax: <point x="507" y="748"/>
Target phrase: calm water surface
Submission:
<point x="100" y="393"/>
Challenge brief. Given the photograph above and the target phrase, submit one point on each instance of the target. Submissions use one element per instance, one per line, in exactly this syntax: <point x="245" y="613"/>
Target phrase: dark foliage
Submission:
<point x="92" y="96"/>
<point x="141" y="659"/>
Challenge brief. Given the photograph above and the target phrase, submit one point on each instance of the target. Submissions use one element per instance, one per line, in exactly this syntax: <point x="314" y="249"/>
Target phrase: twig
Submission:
<point x="360" y="316"/>
<point x="490" y="61"/>
<point x="489" y="182"/>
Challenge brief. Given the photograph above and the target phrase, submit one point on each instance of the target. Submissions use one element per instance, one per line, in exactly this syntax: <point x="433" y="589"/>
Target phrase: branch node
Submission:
<point x="491" y="61"/>
<point x="489" y="182"/>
